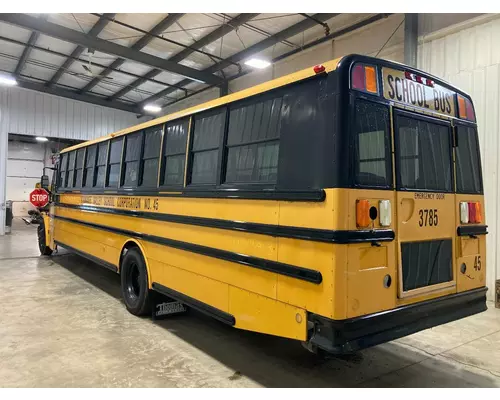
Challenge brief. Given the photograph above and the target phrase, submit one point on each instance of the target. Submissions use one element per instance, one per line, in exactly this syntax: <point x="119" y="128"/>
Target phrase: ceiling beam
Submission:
<point x="140" y="44"/>
<point x="59" y="54"/>
<point x="82" y="39"/>
<point x="316" y="42"/>
<point x="94" y="32"/>
<point x="27" y="50"/>
<point x="210" y="38"/>
<point x="73" y="95"/>
<point x="270" y="41"/>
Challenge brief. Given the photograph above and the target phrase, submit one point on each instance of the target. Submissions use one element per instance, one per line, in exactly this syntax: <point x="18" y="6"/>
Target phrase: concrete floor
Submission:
<point x="63" y="324"/>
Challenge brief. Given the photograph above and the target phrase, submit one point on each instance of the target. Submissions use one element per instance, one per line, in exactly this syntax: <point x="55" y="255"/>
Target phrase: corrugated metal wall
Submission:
<point x="39" y="114"/>
<point x="468" y="55"/>
<point x="4" y="139"/>
<point x="27" y="112"/>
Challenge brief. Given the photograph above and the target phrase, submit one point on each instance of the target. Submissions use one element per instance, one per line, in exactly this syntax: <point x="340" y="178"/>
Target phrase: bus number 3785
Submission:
<point x="428" y="217"/>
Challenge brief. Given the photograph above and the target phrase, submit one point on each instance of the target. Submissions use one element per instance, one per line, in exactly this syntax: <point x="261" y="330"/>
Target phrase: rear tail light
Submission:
<point x="362" y="213"/>
<point x="364" y="78"/>
<point x="471" y="213"/>
<point x="384" y="209"/>
<point x="366" y="213"/>
<point x="465" y="109"/>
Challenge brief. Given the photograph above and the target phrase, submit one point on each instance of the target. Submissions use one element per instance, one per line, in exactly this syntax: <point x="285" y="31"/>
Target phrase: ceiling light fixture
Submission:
<point x="41" y="139"/>
<point x="7" y="80"/>
<point x="152" y="108"/>
<point x="257" y="63"/>
<point x="196" y="80"/>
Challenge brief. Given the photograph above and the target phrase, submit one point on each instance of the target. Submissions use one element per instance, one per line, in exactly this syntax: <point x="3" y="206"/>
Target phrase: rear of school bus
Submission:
<point x="415" y="199"/>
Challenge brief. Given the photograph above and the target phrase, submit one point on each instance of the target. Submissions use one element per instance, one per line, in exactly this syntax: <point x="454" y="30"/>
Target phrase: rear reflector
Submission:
<point x="385" y="212"/>
<point x="362" y="213"/>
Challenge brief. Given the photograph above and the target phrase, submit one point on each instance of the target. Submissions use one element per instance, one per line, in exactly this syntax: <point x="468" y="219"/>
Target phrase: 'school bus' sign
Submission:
<point x="435" y="98"/>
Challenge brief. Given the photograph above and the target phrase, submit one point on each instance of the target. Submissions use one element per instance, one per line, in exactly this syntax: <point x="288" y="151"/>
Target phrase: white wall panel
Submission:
<point x="31" y="113"/>
<point x="472" y="62"/>
<point x="39" y="114"/>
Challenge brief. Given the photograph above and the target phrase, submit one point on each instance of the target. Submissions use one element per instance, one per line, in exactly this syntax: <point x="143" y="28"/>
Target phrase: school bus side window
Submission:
<point x="115" y="157"/>
<point x="71" y="169"/>
<point x="208" y="128"/>
<point x="80" y="158"/>
<point x="174" y="152"/>
<point x="372" y="145"/>
<point x="151" y="156"/>
<point x="253" y="142"/>
<point x="102" y="153"/>
<point x="133" y="149"/>
<point x="468" y="162"/>
<point x="62" y="170"/>
<point x="88" y="172"/>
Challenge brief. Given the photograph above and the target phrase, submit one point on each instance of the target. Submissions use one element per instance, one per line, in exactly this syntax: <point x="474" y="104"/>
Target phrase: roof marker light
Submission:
<point x="419" y="79"/>
<point x="318" y="69"/>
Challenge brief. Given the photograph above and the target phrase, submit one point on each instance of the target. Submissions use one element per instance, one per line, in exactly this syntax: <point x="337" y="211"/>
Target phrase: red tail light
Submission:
<point x="465" y="109"/>
<point x="472" y="213"/>
<point x="358" y="77"/>
<point x="364" y="78"/>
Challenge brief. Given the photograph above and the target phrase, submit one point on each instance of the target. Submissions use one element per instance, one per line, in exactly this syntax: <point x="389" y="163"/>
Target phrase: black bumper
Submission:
<point x="350" y="335"/>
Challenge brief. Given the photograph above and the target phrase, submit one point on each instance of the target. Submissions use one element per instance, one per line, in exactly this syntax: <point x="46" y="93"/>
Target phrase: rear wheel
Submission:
<point x="44" y="249"/>
<point x="134" y="282"/>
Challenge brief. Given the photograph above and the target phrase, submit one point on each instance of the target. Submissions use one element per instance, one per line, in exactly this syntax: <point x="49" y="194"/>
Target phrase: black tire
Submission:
<point x="44" y="249"/>
<point x="134" y="282"/>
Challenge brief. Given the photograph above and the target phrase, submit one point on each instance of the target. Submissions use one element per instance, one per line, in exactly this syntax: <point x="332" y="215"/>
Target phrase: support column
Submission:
<point x="411" y="39"/>
<point x="224" y="89"/>
<point x="4" y="142"/>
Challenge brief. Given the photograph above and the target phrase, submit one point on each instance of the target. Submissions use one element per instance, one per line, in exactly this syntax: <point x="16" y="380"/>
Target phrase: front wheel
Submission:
<point x="42" y="246"/>
<point x="134" y="280"/>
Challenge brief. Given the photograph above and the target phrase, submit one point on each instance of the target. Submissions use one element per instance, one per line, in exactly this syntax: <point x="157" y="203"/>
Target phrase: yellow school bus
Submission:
<point x="341" y="206"/>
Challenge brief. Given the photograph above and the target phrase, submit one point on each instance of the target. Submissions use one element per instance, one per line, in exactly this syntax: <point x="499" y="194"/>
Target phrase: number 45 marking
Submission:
<point x="477" y="263"/>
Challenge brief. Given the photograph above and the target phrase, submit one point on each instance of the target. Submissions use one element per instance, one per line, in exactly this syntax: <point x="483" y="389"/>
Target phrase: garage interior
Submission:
<point x="68" y="78"/>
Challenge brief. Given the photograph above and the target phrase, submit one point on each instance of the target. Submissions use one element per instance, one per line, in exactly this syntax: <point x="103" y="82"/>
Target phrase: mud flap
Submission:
<point x="164" y="306"/>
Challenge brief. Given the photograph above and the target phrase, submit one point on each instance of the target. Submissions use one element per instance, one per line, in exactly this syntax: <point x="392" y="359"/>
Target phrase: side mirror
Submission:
<point x="44" y="182"/>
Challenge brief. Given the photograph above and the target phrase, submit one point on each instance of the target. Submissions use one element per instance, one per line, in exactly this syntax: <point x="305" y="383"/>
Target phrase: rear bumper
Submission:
<point x="347" y="336"/>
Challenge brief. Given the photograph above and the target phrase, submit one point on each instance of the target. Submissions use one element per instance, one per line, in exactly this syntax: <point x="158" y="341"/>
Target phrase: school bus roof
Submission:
<point x="263" y="87"/>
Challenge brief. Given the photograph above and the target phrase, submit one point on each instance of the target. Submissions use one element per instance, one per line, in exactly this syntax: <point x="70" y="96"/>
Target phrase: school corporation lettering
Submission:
<point x="129" y="202"/>
<point x="437" y="98"/>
